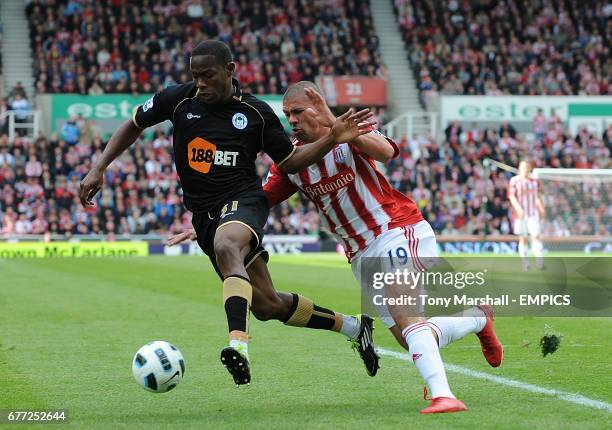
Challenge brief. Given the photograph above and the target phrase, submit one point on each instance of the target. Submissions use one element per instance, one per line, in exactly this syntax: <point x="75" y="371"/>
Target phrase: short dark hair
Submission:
<point x="300" y="87"/>
<point x="216" y="48"/>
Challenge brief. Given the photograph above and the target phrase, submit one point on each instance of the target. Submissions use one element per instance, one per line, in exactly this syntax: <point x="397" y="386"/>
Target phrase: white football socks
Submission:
<point x="452" y="328"/>
<point x="538" y="251"/>
<point x="426" y="357"/>
<point x="350" y="326"/>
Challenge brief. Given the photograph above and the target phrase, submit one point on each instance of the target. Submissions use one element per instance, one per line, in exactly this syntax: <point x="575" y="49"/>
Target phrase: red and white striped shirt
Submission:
<point x="526" y="192"/>
<point x="356" y="201"/>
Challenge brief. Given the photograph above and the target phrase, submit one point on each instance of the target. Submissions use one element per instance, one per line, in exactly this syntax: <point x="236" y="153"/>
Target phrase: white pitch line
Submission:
<point x="563" y="395"/>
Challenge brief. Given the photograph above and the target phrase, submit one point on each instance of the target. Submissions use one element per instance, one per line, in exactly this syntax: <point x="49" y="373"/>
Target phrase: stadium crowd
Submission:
<point x="39" y="182"/>
<point x="113" y="46"/>
<point x="520" y="47"/>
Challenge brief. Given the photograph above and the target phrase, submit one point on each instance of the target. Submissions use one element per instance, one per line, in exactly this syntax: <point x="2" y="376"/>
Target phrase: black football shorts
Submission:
<point x="248" y="208"/>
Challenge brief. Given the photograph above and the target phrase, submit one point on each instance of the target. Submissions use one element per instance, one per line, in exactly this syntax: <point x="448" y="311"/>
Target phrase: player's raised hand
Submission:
<point x="90" y="185"/>
<point x="182" y="237"/>
<point x="351" y="125"/>
<point x="319" y="108"/>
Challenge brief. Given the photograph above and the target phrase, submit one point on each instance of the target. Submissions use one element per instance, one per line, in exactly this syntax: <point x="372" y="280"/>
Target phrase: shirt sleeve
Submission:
<point x="276" y="143"/>
<point x="158" y="108"/>
<point x="396" y="149"/>
<point x="278" y="186"/>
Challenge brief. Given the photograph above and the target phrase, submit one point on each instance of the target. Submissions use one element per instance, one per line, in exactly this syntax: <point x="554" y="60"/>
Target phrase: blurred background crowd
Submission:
<point x="39" y="183"/>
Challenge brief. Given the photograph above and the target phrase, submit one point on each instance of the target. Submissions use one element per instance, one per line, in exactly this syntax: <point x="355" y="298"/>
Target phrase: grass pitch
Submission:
<point x="70" y="327"/>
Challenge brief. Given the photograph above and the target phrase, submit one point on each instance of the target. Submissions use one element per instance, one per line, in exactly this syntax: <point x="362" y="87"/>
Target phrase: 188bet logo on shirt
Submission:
<point x="202" y="154"/>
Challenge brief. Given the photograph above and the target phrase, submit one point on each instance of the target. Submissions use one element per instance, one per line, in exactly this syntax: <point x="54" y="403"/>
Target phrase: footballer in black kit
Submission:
<point x="218" y="132"/>
<point x="215" y="147"/>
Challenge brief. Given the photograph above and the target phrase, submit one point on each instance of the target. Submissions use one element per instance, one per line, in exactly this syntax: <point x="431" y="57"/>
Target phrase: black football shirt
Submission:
<point x="215" y="145"/>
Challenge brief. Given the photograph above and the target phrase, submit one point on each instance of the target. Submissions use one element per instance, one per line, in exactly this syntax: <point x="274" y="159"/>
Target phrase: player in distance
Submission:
<point x="218" y="132"/>
<point x="372" y="219"/>
<point x="525" y="195"/>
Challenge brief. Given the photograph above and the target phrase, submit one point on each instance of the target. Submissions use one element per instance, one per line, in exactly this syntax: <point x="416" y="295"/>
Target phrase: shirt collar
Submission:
<point x="237" y="94"/>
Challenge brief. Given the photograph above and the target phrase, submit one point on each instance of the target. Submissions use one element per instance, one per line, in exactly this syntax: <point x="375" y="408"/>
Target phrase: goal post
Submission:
<point x="578" y="202"/>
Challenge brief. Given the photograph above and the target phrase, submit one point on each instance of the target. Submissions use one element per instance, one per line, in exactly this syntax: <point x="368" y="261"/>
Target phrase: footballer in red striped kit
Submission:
<point x="525" y="195"/>
<point x="372" y="219"/>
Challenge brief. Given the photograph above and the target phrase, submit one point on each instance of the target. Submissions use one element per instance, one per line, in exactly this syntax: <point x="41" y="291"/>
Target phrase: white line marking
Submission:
<point x="563" y="395"/>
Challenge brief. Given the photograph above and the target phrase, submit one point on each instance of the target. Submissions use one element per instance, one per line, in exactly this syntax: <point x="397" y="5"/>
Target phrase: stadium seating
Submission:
<point x="142" y="195"/>
<point x="515" y="47"/>
<point x="93" y="47"/>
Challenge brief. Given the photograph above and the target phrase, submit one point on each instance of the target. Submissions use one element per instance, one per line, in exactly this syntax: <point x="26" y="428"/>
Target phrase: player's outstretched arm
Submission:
<point x="182" y="237"/>
<point x="126" y="134"/>
<point x="375" y="145"/>
<point x="344" y="129"/>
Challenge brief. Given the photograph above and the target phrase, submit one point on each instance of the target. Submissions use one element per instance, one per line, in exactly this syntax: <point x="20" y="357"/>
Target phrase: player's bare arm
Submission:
<point x="126" y="134"/>
<point x="516" y="206"/>
<point x="540" y="205"/>
<point x="181" y="237"/>
<point x="375" y="145"/>
<point x="345" y="128"/>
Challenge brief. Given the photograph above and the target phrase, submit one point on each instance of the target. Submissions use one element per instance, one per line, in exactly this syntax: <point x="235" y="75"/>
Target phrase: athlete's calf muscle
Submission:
<point x="268" y="304"/>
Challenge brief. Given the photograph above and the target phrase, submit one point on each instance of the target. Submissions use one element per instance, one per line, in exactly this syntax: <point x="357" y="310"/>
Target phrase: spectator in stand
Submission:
<point x="18" y="89"/>
<point x="70" y="131"/>
<point x="512" y="47"/>
<point x="116" y="47"/>
<point x="4" y="123"/>
<point x="21" y="107"/>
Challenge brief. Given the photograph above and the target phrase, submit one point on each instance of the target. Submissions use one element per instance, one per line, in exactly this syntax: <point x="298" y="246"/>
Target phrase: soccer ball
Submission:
<point x="158" y="366"/>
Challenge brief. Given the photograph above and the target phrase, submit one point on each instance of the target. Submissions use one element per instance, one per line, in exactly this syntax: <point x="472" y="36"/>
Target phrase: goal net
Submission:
<point x="578" y="202"/>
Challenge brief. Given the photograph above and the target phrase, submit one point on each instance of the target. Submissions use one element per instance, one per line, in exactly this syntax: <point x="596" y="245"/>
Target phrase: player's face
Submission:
<point x="300" y="113"/>
<point x="524" y="169"/>
<point x="214" y="81"/>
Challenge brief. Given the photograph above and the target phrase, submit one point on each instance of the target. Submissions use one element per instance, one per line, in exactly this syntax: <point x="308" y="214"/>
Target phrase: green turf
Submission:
<point x="69" y="329"/>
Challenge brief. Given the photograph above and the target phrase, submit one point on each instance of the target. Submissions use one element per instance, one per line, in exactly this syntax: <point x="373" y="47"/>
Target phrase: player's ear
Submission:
<point x="230" y="68"/>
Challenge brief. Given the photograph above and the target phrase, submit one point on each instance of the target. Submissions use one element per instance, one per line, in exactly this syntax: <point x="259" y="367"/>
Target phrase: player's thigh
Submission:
<point x="205" y="228"/>
<point x="241" y="221"/>
<point x="412" y="247"/>
<point x="232" y="238"/>
<point x="533" y="227"/>
<point x="520" y="227"/>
